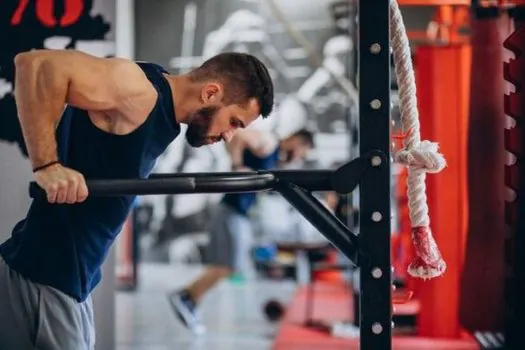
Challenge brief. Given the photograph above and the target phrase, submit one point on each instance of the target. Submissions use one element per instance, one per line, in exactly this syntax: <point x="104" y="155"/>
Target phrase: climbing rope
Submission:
<point x="420" y="157"/>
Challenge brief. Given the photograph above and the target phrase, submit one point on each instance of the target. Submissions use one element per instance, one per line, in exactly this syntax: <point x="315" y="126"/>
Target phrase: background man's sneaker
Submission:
<point x="185" y="309"/>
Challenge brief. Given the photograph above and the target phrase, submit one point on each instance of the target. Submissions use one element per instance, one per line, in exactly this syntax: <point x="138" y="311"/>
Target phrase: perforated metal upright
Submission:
<point x="374" y="134"/>
<point x="515" y="180"/>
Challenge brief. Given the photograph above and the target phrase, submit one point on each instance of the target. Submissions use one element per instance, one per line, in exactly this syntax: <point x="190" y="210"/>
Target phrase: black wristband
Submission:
<point x="45" y="166"/>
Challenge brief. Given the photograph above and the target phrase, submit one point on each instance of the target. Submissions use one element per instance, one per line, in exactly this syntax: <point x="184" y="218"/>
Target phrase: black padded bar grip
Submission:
<point x="311" y="180"/>
<point x="234" y="182"/>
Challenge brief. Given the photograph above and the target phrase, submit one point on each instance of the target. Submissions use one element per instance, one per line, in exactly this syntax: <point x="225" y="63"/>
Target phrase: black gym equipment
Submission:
<point x="294" y="185"/>
<point x="274" y="310"/>
<point x="371" y="171"/>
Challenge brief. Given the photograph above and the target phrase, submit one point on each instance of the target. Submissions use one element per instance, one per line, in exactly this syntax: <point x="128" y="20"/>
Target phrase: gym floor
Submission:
<point x="232" y="313"/>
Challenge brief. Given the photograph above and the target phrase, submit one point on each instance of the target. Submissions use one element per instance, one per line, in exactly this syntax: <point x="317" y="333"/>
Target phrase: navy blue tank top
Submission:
<point x="242" y="202"/>
<point x="64" y="245"/>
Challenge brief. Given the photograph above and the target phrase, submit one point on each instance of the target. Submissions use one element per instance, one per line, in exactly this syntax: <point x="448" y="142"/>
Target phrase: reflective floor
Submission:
<point x="232" y="313"/>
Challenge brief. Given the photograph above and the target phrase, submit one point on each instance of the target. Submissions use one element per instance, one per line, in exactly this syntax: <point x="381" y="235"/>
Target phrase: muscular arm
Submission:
<point x="47" y="80"/>
<point x="260" y="143"/>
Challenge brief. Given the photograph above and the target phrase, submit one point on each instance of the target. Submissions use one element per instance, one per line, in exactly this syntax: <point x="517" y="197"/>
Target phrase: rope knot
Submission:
<point x="423" y="156"/>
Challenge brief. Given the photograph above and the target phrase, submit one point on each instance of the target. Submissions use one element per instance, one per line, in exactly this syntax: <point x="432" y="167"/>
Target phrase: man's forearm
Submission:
<point x="236" y="154"/>
<point x="236" y="150"/>
<point x="40" y="96"/>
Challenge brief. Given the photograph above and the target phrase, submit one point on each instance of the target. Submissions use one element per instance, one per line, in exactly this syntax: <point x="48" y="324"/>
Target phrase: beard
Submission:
<point x="197" y="132"/>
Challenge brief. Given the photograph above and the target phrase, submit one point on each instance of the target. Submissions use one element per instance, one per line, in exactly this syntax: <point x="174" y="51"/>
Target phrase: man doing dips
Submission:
<point x="120" y="116"/>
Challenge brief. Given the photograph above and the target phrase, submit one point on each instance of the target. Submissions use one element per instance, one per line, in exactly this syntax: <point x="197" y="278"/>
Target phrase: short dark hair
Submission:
<point x="245" y="76"/>
<point x="306" y="137"/>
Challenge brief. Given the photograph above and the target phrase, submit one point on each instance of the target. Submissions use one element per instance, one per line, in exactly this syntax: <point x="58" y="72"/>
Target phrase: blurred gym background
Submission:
<point x="301" y="41"/>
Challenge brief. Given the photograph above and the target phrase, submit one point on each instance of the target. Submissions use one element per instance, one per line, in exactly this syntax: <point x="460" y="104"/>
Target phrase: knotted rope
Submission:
<point x="418" y="156"/>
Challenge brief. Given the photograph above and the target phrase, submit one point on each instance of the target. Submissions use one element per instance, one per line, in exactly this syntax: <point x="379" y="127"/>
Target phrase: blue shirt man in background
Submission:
<point x="230" y="229"/>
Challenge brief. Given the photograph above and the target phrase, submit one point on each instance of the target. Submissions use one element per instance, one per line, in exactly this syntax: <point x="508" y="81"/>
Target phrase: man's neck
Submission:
<point x="182" y="97"/>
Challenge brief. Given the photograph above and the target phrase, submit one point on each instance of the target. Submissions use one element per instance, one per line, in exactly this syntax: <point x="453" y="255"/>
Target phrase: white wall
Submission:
<point x="125" y="29"/>
<point x="104" y="295"/>
<point x="15" y="175"/>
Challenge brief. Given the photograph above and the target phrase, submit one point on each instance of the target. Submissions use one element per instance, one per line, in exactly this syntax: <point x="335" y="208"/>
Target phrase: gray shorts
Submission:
<point x="34" y="316"/>
<point x="230" y="240"/>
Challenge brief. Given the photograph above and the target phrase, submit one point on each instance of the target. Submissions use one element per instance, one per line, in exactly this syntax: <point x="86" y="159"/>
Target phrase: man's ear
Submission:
<point x="212" y="93"/>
